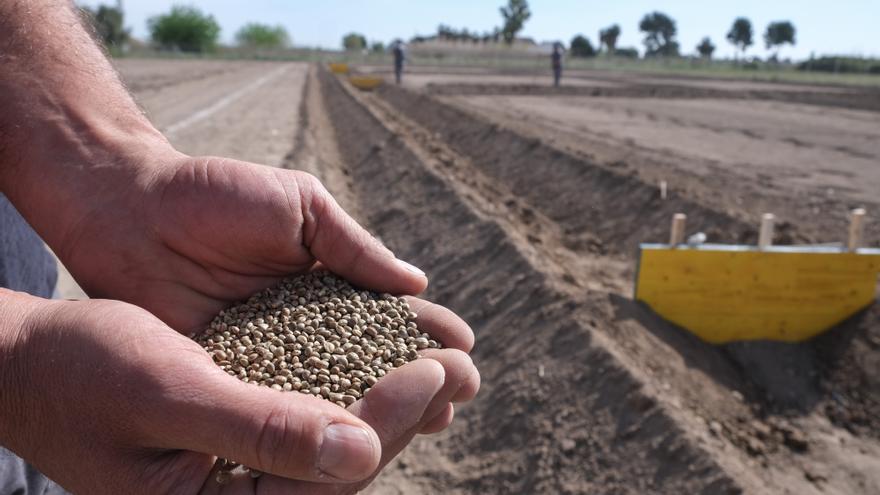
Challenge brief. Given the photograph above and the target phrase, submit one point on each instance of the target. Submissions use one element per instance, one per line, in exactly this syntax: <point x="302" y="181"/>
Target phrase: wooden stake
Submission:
<point x="765" y="236"/>
<point x="856" y="228"/>
<point x="676" y="234"/>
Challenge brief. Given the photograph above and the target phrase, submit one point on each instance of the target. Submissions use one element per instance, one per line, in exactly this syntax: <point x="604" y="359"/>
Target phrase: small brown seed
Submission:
<point x="315" y="334"/>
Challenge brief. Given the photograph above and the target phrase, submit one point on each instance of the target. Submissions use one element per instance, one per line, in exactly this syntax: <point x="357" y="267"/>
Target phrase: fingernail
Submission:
<point x="410" y="268"/>
<point x="347" y="452"/>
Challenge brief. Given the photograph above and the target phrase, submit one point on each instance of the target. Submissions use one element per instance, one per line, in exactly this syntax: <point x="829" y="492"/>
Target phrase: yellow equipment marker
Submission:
<point x="338" y="68"/>
<point x="365" y="83"/>
<point x="726" y="293"/>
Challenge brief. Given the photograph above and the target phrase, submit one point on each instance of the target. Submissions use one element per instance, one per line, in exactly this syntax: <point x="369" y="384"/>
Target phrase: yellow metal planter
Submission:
<point x="338" y="68"/>
<point x="727" y="293"/>
<point x="366" y="83"/>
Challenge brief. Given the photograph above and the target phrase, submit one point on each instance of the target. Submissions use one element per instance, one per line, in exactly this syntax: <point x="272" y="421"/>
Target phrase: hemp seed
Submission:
<point x="316" y="334"/>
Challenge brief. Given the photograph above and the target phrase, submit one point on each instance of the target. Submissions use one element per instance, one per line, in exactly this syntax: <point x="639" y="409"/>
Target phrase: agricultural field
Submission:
<point x="525" y="204"/>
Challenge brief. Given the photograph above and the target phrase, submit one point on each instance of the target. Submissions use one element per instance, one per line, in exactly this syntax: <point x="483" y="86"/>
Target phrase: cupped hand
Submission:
<point x="194" y="235"/>
<point x="191" y="236"/>
<point x="108" y="399"/>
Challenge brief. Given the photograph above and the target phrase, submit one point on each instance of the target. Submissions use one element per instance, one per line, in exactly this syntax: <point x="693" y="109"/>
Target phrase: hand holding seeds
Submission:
<point x="105" y="397"/>
<point x="208" y="232"/>
<point x="130" y="398"/>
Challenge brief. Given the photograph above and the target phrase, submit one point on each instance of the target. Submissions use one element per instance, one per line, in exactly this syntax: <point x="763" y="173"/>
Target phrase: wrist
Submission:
<point x="76" y="167"/>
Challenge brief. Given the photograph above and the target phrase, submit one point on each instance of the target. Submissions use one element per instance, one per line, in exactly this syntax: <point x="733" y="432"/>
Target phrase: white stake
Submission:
<point x="662" y="189"/>
<point x="765" y="237"/>
<point x="676" y="234"/>
<point x="856" y="228"/>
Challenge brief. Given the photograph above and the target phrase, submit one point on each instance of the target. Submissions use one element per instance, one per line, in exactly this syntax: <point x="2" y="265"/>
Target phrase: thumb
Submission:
<point x="345" y="248"/>
<point x="393" y="407"/>
<point x="289" y="434"/>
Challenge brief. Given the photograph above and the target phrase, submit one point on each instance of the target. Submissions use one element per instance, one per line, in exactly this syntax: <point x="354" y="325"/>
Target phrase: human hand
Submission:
<point x="104" y="398"/>
<point x="187" y="237"/>
<point x="193" y="235"/>
<point x="182" y="237"/>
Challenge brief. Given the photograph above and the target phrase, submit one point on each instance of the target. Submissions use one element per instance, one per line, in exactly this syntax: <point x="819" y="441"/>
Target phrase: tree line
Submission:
<point x="188" y="29"/>
<point x="660" y="33"/>
<point x="183" y="28"/>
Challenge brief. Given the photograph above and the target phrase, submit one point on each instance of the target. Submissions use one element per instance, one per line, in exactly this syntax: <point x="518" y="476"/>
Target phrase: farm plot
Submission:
<point x="525" y="205"/>
<point x="760" y="417"/>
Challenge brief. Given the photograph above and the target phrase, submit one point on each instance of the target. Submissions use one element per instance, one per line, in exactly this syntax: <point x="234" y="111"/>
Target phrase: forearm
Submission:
<point x="67" y="123"/>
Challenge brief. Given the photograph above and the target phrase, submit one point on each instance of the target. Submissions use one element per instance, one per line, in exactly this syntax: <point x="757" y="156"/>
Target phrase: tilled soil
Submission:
<point x="544" y="422"/>
<point x="833" y="97"/>
<point x="586" y="391"/>
<point x="527" y="226"/>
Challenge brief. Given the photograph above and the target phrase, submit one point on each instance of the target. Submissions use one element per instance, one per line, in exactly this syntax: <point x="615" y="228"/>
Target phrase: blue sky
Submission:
<point x="841" y="27"/>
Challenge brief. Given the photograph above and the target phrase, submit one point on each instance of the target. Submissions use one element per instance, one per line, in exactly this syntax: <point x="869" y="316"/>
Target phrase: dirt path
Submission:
<point x="715" y="158"/>
<point x="790" y="146"/>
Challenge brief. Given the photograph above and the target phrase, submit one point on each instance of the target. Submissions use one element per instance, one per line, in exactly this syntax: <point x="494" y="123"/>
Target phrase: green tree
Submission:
<point x="259" y="35"/>
<point x="608" y="38"/>
<point x="184" y="28"/>
<point x="377" y="47"/>
<point x="706" y="48"/>
<point x="581" y="47"/>
<point x="515" y="15"/>
<point x="660" y="32"/>
<point x="778" y="34"/>
<point x="627" y="52"/>
<point x="109" y="24"/>
<point x="740" y="34"/>
<point x="354" y="42"/>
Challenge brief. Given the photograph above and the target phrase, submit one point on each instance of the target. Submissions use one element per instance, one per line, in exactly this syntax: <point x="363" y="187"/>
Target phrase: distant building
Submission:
<point x="476" y="43"/>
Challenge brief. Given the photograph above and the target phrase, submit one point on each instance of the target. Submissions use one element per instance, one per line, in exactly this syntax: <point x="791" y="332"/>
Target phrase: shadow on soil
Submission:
<point x="836" y="371"/>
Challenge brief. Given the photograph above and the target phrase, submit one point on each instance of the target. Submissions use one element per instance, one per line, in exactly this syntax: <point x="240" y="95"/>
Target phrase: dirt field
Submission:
<point x="525" y="205"/>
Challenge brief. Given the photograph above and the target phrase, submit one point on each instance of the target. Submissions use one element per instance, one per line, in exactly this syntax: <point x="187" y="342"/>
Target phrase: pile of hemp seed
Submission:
<point x="316" y="334"/>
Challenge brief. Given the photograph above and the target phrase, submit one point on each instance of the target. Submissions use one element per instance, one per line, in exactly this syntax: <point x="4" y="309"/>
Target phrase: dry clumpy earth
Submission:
<point x="525" y="206"/>
<point x="584" y="390"/>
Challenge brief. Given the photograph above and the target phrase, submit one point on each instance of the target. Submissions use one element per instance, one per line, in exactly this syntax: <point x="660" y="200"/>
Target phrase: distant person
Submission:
<point x="399" y="58"/>
<point x="556" y="56"/>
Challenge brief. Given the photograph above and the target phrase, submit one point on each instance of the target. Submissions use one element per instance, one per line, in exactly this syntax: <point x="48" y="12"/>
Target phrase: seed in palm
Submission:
<point x="316" y="334"/>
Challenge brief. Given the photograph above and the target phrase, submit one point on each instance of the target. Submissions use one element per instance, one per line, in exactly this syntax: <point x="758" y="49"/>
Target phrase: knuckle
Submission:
<point x="286" y="444"/>
<point x="308" y="183"/>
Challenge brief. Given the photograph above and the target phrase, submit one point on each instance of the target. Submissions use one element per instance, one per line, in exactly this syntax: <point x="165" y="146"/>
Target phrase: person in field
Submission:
<point x="399" y="59"/>
<point x="556" y="58"/>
